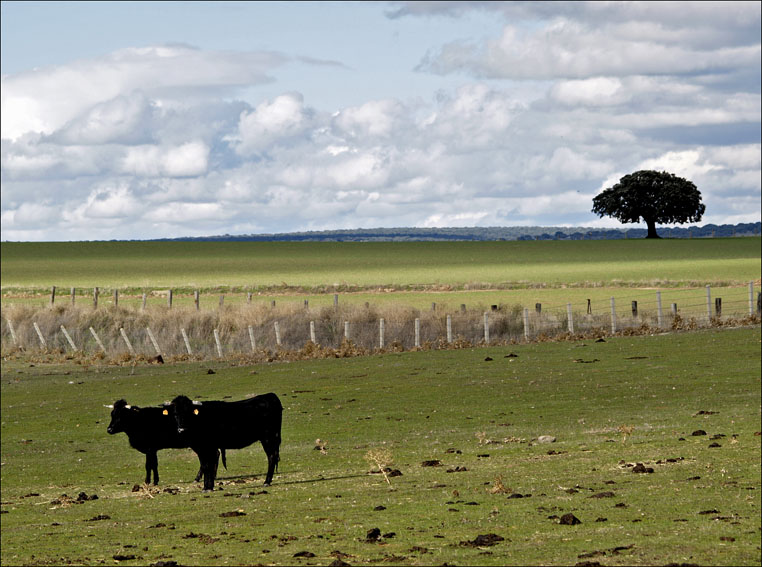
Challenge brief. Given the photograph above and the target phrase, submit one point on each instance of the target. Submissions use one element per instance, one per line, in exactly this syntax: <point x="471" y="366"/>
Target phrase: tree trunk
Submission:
<point x="651" y="229"/>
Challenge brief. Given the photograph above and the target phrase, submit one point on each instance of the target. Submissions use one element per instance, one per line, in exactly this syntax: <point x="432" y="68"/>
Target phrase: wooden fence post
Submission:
<point x="659" y="312"/>
<point x="486" y="327"/>
<point x="169" y="299"/>
<point x="346" y="330"/>
<point x="222" y="301"/>
<point x="538" y="308"/>
<point x="143" y="304"/>
<point x="313" y="338"/>
<point x="613" y="316"/>
<point x="39" y="334"/>
<point x="306" y="304"/>
<point x="449" y="328"/>
<point x="13" y="332"/>
<point x="526" y="324"/>
<point x="708" y="303"/>
<point x="634" y="309"/>
<point x="217" y="341"/>
<point x="252" y="340"/>
<point x="718" y="307"/>
<point x="197" y="299"/>
<point x="127" y="341"/>
<point x="68" y="338"/>
<point x="248" y="298"/>
<point x="187" y="342"/>
<point x="417" y="332"/>
<point x="97" y="339"/>
<point x="73" y="295"/>
<point x="381" y="325"/>
<point x="95" y="298"/>
<point x="116" y="297"/>
<point x="53" y="295"/>
<point x="751" y="298"/>
<point x="335" y="300"/>
<point x="277" y="333"/>
<point x="569" y="317"/>
<point x="462" y="307"/>
<point x="674" y="309"/>
<point x="153" y="341"/>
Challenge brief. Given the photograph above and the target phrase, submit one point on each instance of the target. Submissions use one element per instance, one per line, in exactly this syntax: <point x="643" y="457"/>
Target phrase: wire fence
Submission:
<point x="260" y="329"/>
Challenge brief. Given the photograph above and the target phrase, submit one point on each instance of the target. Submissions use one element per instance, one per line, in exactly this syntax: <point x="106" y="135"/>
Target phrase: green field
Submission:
<point x="399" y="265"/>
<point x="610" y="405"/>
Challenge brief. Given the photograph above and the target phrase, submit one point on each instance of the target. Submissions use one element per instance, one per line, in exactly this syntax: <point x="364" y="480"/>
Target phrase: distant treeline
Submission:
<point x="486" y="233"/>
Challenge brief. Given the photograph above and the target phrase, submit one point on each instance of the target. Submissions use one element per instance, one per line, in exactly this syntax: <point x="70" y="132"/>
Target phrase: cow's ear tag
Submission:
<point x="165" y="412"/>
<point x="195" y="412"/>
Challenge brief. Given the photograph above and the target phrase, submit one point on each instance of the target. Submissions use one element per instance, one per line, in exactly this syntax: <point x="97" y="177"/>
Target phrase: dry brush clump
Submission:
<point x="247" y="332"/>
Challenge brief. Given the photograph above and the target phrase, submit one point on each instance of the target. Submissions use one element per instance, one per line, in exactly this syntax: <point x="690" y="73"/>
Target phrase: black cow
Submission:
<point x="230" y="425"/>
<point x="149" y="430"/>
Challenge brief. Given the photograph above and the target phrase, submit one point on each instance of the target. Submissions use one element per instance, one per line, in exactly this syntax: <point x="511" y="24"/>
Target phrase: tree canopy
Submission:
<point x="656" y="197"/>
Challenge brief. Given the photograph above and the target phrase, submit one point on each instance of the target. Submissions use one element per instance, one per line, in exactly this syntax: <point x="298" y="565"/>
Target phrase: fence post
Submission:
<point x="73" y="295"/>
<point x="381" y="333"/>
<point x="313" y="338"/>
<point x="751" y="298"/>
<point x="95" y="298"/>
<point x="39" y="334"/>
<point x="68" y="338"/>
<point x="53" y="295"/>
<point x="346" y="330"/>
<point x="526" y="324"/>
<point x="417" y="332"/>
<point x="674" y="309"/>
<point x="718" y="307"/>
<point x="569" y="317"/>
<point x="126" y="340"/>
<point x="97" y="339"/>
<point x="272" y="304"/>
<point x="116" y="297"/>
<point x="538" y="308"/>
<point x="145" y="299"/>
<point x="659" y="312"/>
<point x="449" y="328"/>
<point x="252" y="340"/>
<point x="222" y="301"/>
<point x="613" y="316"/>
<point x="197" y="299"/>
<point x="153" y="340"/>
<point x="277" y="333"/>
<point x="306" y="304"/>
<point x="169" y="299"/>
<point x="708" y="304"/>
<point x="217" y="340"/>
<point x="335" y="300"/>
<point x="462" y="307"/>
<point x="187" y="342"/>
<point x="486" y="327"/>
<point x="634" y="309"/>
<point x="13" y="332"/>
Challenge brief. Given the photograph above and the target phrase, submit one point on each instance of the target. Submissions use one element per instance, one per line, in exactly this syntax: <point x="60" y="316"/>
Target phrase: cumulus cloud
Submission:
<point x="155" y="141"/>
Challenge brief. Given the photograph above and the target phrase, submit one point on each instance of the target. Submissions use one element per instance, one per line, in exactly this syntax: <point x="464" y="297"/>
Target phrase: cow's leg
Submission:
<point x="152" y="464"/>
<point x="272" y="450"/>
<point x="209" y="464"/>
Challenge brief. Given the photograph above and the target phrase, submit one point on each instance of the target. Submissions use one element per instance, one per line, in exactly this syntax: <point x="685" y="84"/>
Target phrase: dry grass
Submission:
<point x="237" y="325"/>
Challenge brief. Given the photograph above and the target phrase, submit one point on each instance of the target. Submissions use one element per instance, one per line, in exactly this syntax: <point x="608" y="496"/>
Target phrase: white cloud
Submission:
<point x="270" y="124"/>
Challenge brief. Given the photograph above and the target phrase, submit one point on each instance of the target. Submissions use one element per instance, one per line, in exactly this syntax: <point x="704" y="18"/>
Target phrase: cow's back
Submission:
<point x="234" y="425"/>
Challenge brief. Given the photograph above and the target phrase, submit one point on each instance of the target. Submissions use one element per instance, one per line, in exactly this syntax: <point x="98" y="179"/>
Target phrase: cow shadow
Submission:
<point x="319" y="478"/>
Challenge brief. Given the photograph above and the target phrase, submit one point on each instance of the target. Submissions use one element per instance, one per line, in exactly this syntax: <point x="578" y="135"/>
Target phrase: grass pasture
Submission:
<point x="611" y="405"/>
<point x="327" y="266"/>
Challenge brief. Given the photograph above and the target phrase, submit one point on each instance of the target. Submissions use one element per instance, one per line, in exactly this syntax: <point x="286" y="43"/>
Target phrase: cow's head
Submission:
<point x="186" y="412"/>
<point x="120" y="414"/>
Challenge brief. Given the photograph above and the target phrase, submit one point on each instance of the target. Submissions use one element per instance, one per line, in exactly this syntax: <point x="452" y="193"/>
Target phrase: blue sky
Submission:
<point x="163" y="119"/>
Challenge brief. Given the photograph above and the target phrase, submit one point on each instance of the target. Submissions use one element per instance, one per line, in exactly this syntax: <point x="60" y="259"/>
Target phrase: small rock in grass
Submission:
<point x="569" y="520"/>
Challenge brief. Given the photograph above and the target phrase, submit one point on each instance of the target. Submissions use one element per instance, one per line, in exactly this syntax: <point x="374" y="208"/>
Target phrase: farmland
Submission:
<point x="462" y="427"/>
<point x="611" y="405"/>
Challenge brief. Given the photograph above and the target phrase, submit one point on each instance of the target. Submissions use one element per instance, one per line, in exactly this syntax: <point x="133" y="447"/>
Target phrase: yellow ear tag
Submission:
<point x="195" y="412"/>
<point x="165" y="412"/>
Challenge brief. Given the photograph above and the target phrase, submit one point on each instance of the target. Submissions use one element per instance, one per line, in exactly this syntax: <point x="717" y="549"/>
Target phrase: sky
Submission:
<point x="140" y="120"/>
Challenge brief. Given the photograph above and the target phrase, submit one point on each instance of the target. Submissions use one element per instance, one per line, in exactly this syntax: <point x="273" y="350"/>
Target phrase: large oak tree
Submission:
<point x="656" y="197"/>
